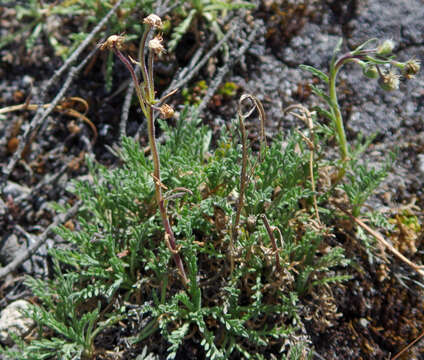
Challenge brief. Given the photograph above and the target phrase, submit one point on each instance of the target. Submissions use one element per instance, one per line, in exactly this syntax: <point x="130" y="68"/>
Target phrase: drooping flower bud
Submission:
<point x="412" y="68"/>
<point x="386" y="48"/>
<point x="370" y="71"/>
<point x="153" y="20"/>
<point x="113" y="41"/>
<point x="166" y="111"/>
<point x="156" y="46"/>
<point x="389" y="81"/>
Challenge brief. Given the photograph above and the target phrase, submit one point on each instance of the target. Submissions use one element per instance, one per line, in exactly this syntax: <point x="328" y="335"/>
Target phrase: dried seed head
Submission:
<point x="153" y="20"/>
<point x="386" y="48"/>
<point x="412" y="68"/>
<point x="389" y="81"/>
<point x="166" y="111"/>
<point x="113" y="41"/>
<point x="156" y="46"/>
<point x="251" y="223"/>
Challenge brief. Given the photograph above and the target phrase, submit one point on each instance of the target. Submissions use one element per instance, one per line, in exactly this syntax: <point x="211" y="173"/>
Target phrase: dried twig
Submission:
<point x="38" y="241"/>
<point x="186" y="74"/>
<point x="234" y="58"/>
<point x="38" y="120"/>
<point x="81" y="47"/>
<point x="42" y="113"/>
<point x="194" y="67"/>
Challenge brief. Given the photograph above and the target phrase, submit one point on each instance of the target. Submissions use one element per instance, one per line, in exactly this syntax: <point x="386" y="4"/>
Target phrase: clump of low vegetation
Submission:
<point x="188" y="246"/>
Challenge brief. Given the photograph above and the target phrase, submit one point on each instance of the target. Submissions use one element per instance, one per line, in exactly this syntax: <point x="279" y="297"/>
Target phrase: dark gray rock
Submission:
<point x="312" y="47"/>
<point x="384" y="112"/>
<point x="401" y="21"/>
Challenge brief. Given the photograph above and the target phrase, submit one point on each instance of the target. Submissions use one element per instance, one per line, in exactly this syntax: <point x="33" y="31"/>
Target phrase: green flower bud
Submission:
<point x="389" y="81"/>
<point x="386" y="48"/>
<point x="370" y="71"/>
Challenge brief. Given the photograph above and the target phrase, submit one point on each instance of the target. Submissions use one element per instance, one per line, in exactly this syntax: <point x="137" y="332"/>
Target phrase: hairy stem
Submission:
<point x="151" y="84"/>
<point x="146" y="100"/>
<point x="243" y="183"/>
<point x="134" y="78"/>
<point x="159" y="198"/>
<point x="243" y="174"/>
<point x="142" y="58"/>
<point x="335" y="109"/>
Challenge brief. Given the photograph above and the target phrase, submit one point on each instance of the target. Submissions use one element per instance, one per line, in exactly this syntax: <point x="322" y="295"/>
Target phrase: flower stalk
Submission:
<point x="372" y="61"/>
<point x="335" y="109"/>
<point x="146" y="98"/>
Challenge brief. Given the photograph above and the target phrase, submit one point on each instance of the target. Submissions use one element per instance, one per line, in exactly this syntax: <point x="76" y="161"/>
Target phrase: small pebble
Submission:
<point x="15" y="190"/>
<point x="364" y="322"/>
<point x="9" y="247"/>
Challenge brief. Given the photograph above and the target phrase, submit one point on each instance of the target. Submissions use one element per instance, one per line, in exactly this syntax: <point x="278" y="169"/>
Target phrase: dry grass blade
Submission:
<point x="195" y="64"/>
<point x="406" y="348"/>
<point x="63" y="107"/>
<point x="418" y="268"/>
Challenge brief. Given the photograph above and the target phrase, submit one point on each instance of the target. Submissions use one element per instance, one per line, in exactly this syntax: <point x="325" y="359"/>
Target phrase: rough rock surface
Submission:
<point x="12" y="320"/>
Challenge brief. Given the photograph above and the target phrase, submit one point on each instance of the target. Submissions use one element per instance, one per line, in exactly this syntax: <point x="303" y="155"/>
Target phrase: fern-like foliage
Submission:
<point x="118" y="266"/>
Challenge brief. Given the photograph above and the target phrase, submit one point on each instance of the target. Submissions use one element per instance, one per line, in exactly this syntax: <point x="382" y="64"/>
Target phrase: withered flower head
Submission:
<point x="166" y="111"/>
<point x="113" y="40"/>
<point x="389" y="81"/>
<point x="153" y="20"/>
<point x="412" y="68"/>
<point x="156" y="46"/>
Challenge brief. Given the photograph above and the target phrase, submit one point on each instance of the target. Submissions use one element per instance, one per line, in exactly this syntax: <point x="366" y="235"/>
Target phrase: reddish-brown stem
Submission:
<point x="142" y="58"/>
<point x="146" y="100"/>
<point x="159" y="197"/>
<point x="133" y="76"/>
